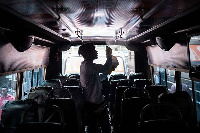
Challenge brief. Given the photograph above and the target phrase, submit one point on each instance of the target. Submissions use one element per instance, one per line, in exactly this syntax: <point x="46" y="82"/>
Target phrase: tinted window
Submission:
<point x="170" y="79"/>
<point x="8" y="86"/>
<point x="156" y="76"/>
<point x="162" y="76"/>
<point x="73" y="65"/>
<point x="197" y="99"/>
<point x="187" y="83"/>
<point x="26" y="83"/>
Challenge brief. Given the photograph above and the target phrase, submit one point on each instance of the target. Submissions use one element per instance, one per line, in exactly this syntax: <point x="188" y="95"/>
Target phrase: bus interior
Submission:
<point x="156" y="86"/>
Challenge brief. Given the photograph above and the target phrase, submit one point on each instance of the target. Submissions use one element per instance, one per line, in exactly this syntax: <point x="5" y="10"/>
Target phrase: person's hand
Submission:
<point x="115" y="62"/>
<point x="108" y="52"/>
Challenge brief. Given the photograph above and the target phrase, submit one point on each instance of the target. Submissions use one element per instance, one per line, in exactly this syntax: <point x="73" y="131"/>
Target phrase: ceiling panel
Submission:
<point x="90" y="19"/>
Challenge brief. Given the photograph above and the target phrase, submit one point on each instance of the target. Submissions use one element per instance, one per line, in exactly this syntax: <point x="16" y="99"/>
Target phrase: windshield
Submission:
<point x="73" y="63"/>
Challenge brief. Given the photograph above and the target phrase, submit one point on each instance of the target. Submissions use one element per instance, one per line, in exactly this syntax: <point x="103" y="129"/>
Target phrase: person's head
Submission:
<point x="4" y="92"/>
<point x="88" y="51"/>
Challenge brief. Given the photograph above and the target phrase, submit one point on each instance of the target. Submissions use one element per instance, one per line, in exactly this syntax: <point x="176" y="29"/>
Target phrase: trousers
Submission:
<point x="95" y="121"/>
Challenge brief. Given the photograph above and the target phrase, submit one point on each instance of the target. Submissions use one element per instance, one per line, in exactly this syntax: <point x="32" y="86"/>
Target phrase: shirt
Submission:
<point x="91" y="75"/>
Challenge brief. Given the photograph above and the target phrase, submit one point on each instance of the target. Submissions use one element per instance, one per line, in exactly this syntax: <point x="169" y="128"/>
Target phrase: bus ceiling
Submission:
<point x="125" y="22"/>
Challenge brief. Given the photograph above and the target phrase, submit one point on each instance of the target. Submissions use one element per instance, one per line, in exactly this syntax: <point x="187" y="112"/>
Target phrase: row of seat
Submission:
<point x="129" y="100"/>
<point x="109" y="89"/>
<point x="131" y="103"/>
<point x="126" y="90"/>
<point x="50" y="92"/>
<point x="38" y="118"/>
<point x="130" y="96"/>
<point x="120" y="89"/>
<point x="14" y="110"/>
<point x="116" y="88"/>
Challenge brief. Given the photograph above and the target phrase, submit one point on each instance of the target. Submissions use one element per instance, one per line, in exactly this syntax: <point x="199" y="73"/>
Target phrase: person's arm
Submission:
<point x="99" y="68"/>
<point x="109" y="57"/>
<point x="115" y="63"/>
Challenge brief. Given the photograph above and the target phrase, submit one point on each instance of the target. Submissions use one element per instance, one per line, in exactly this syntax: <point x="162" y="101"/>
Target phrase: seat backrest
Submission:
<point x="141" y="83"/>
<point x="12" y="112"/>
<point x="183" y="95"/>
<point x="119" y="93"/>
<point x="37" y="91"/>
<point x="118" y="100"/>
<point x="68" y="107"/>
<point x="160" y="117"/>
<point x="70" y="82"/>
<point x="130" y="112"/>
<point x="33" y="125"/>
<point x="125" y="82"/>
<point x="163" y="110"/>
<point x="113" y="85"/>
<point x="76" y="76"/>
<point x="60" y="93"/>
<point x="55" y="83"/>
<point x="77" y="95"/>
<point x="135" y="92"/>
<point x="184" y="102"/>
<point x="134" y="76"/>
<point x="155" y="90"/>
<point x="61" y="78"/>
<point x="117" y="76"/>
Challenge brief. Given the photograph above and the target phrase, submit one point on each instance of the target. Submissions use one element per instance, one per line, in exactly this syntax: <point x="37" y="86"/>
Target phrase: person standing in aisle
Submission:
<point x="95" y="115"/>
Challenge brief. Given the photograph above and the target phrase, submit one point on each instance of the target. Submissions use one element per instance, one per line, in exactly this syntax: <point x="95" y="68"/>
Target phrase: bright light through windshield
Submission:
<point x="73" y="64"/>
<point x="71" y="60"/>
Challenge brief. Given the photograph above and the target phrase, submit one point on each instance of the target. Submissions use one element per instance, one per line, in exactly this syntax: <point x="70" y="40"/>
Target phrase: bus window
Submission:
<point x="170" y="79"/>
<point x="185" y="80"/>
<point x="197" y="99"/>
<point x="35" y="77"/>
<point x="162" y="76"/>
<point x="73" y="65"/>
<point x="194" y="49"/>
<point x="40" y="76"/>
<point x="159" y="76"/>
<point x="8" y="85"/>
<point x="26" y="84"/>
<point x="71" y="60"/>
<point x="156" y="76"/>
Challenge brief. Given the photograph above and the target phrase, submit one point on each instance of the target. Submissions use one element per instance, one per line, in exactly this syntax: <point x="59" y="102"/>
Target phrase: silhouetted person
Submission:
<point x="95" y="113"/>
